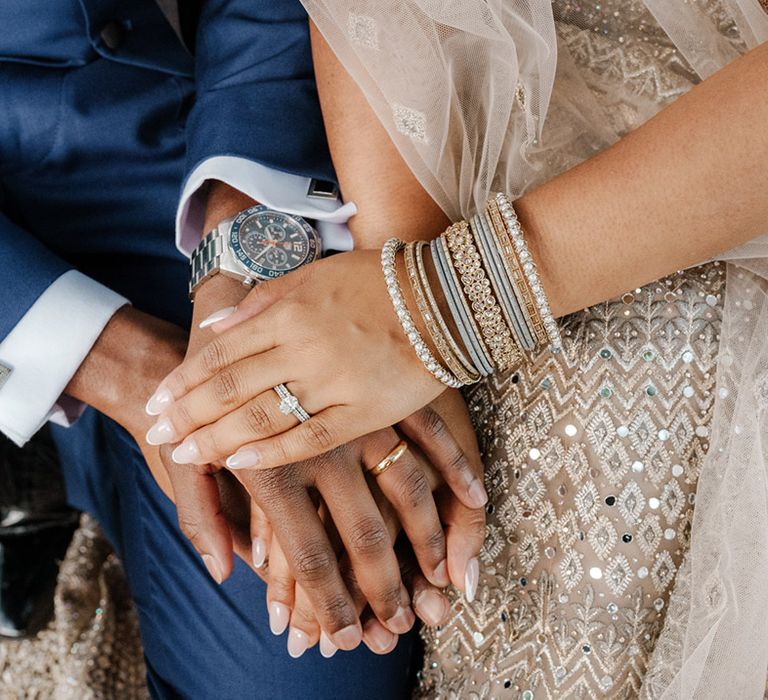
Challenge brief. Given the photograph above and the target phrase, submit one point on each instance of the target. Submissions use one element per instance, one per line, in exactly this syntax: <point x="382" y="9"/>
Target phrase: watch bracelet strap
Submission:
<point x="205" y="258"/>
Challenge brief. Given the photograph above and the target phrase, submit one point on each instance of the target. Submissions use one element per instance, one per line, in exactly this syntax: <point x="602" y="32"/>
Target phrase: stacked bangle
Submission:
<point x="389" y="267"/>
<point x="491" y="290"/>
<point x="529" y="269"/>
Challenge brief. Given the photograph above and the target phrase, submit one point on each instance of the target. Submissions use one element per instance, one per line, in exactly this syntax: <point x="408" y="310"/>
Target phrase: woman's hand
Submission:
<point x="329" y="332"/>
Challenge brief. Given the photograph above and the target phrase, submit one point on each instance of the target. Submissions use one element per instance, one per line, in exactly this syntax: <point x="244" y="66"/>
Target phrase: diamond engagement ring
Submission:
<point x="290" y="404"/>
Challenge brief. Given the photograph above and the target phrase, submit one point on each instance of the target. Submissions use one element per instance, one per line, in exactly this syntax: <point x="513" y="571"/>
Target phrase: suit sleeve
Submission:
<point x="50" y="316"/>
<point x="256" y="95"/>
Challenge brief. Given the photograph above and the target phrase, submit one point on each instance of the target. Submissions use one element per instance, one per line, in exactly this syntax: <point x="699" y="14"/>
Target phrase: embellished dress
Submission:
<point x="592" y="456"/>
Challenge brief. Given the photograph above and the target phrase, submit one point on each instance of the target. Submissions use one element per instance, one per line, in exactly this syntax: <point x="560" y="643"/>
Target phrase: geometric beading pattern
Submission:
<point x="592" y="480"/>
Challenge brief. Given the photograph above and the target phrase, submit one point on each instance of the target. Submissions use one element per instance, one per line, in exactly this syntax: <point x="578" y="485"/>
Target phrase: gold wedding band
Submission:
<point x="400" y="449"/>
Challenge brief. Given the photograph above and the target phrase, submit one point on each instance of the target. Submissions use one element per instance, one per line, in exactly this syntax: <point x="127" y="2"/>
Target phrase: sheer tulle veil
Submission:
<point x="482" y="95"/>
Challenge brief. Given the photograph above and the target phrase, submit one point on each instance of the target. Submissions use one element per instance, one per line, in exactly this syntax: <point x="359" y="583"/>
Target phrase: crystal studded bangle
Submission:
<point x="529" y="269"/>
<point x="389" y="267"/>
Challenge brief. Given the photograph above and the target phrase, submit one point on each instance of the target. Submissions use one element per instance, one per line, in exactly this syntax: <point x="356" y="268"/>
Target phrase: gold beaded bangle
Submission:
<point x="438" y="339"/>
<point x="514" y="268"/>
<point x="504" y="351"/>
<point x="460" y="355"/>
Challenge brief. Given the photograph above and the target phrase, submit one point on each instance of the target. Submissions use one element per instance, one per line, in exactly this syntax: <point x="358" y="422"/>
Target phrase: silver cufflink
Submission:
<point x="323" y="189"/>
<point x="5" y="372"/>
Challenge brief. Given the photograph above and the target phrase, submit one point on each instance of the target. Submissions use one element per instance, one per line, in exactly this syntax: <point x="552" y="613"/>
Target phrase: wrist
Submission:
<point x="132" y="354"/>
<point x="222" y="203"/>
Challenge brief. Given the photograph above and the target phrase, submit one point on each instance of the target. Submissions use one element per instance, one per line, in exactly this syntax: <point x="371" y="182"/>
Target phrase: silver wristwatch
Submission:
<point x="258" y="244"/>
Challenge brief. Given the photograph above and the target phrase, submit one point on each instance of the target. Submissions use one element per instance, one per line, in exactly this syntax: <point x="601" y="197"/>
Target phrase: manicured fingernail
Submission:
<point x="440" y="574"/>
<point x="401" y="621"/>
<point x="213" y="567"/>
<point x="477" y="494"/>
<point x="378" y="638"/>
<point x="471" y="578"/>
<point x="161" y="433"/>
<point x="279" y="616"/>
<point x="258" y="552"/>
<point x="217" y="316"/>
<point x="247" y="458"/>
<point x="431" y="606"/>
<point x="186" y="453"/>
<point x="348" y="638"/>
<point x="327" y="647"/>
<point x="298" y="642"/>
<point x="158" y="402"/>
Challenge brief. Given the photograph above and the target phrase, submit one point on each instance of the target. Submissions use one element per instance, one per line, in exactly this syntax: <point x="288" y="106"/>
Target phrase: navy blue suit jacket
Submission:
<point x="99" y="100"/>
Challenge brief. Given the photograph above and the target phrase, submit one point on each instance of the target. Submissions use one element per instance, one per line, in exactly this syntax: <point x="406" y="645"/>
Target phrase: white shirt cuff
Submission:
<point x="277" y="190"/>
<point x="46" y="348"/>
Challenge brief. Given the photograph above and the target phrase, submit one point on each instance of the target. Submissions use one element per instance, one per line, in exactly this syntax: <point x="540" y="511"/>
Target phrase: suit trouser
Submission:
<point x="103" y="196"/>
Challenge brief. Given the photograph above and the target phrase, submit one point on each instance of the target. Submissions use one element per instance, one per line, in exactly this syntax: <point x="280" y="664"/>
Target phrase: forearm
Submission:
<point x="680" y="189"/>
<point x="371" y="172"/>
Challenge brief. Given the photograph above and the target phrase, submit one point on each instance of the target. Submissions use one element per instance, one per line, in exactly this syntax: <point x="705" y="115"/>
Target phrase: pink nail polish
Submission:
<point x="327" y="647"/>
<point x="247" y="458"/>
<point x="259" y="552"/>
<point x="161" y="433"/>
<point x="213" y="567"/>
<point x="471" y="578"/>
<point x="186" y="453"/>
<point x="298" y="642"/>
<point x="279" y="616"/>
<point x="217" y="316"/>
<point x="158" y="402"/>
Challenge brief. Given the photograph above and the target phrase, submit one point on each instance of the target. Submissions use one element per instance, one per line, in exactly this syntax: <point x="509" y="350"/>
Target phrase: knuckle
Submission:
<point x="432" y="423"/>
<point x="181" y="414"/>
<point x="189" y="526"/>
<point x="313" y="563"/>
<point x="257" y="419"/>
<point x="214" y="356"/>
<point x="413" y="488"/>
<point x="336" y="610"/>
<point x="457" y="461"/>
<point x="435" y="542"/>
<point x="368" y="538"/>
<point x="226" y="387"/>
<point x="319" y="435"/>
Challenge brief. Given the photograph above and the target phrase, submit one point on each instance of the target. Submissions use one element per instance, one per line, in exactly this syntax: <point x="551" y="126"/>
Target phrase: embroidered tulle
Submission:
<point x="482" y="95"/>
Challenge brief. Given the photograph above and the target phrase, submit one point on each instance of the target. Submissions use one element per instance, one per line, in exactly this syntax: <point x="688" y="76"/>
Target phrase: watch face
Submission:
<point x="269" y="243"/>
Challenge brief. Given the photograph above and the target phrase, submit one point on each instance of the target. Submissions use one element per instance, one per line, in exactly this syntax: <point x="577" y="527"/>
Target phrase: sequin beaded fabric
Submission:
<point x="92" y="649"/>
<point x="592" y="459"/>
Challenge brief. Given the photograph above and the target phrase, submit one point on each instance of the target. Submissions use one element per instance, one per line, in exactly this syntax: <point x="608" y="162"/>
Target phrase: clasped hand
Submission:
<point x="338" y="348"/>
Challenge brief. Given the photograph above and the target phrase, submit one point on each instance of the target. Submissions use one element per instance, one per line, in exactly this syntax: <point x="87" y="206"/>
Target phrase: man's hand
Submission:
<point x="133" y="350"/>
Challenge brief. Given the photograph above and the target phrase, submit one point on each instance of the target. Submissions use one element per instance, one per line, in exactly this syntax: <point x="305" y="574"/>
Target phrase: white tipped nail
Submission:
<point x="161" y="433"/>
<point x="327" y="647"/>
<point x="279" y="617"/>
<point x="158" y="402"/>
<point x="217" y="316"/>
<point x="186" y="453"/>
<point x="471" y="578"/>
<point x="247" y="458"/>
<point x="258" y="552"/>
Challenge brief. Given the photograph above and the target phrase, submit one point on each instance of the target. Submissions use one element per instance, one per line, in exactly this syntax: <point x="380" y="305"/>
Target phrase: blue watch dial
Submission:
<point x="269" y="243"/>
